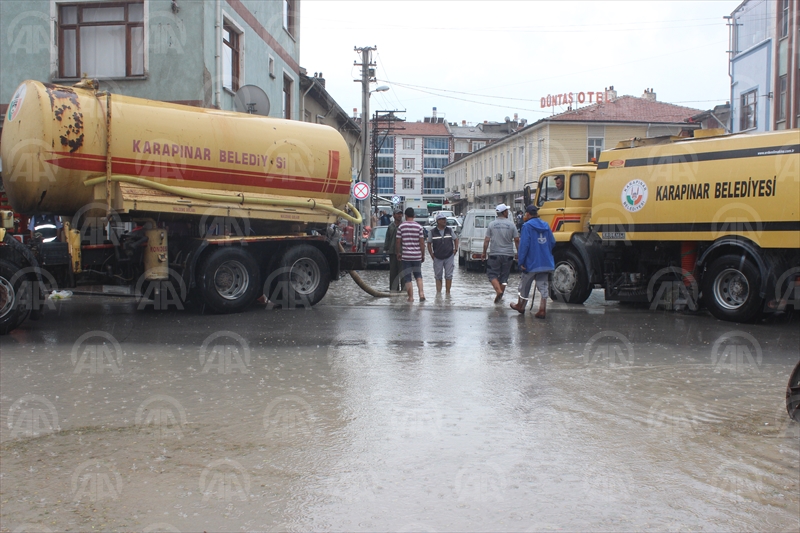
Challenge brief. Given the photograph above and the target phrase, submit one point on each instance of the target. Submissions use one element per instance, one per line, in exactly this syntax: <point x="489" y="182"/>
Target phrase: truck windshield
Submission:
<point x="552" y="188"/>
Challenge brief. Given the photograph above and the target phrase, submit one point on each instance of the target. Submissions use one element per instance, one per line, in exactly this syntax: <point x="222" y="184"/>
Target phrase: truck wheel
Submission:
<point x="229" y="280"/>
<point x="730" y="289"/>
<point x="461" y="259"/>
<point x="570" y="279"/>
<point x="13" y="312"/>
<point x="302" y="278"/>
<point x="793" y="394"/>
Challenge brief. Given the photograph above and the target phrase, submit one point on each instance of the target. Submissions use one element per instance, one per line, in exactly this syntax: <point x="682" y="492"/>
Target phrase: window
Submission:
<point x="385" y="185"/>
<point x="579" y="187"/>
<point x="287" y="97"/>
<point x="385" y="145"/>
<point x="290" y="16"/>
<point x="462" y="146"/>
<point x="552" y="189"/>
<point x="408" y="183"/>
<point x="433" y="186"/>
<point x="784" y="14"/>
<point x="595" y="147"/>
<point x="436" y="145"/>
<point x="101" y="40"/>
<point x="384" y="164"/>
<point x="477" y="145"/>
<point x="747" y="115"/>
<point x="230" y="56"/>
<point x="521" y="157"/>
<point x="408" y="144"/>
<point x="434" y="165"/>
<point x="408" y="164"/>
<point x="782" y="98"/>
<point x="483" y="221"/>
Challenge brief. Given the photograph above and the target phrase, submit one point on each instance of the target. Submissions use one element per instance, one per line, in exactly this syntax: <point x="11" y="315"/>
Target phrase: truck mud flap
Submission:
<point x="352" y="261"/>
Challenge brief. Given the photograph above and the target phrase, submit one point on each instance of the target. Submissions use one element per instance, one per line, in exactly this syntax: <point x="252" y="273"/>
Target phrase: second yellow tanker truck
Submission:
<point x="712" y="220"/>
<point x="168" y="202"/>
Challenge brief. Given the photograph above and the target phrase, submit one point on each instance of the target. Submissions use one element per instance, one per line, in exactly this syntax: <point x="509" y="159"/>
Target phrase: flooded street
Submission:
<point x="454" y="414"/>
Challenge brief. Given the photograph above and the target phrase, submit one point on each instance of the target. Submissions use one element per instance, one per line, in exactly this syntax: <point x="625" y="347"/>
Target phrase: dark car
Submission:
<point x="376" y="256"/>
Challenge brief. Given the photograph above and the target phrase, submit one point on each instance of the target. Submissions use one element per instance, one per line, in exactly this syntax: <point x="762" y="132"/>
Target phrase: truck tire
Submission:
<point x="730" y="289"/>
<point x="302" y="278"/>
<point x="461" y="259"/>
<point x="229" y="280"/>
<point x="12" y="314"/>
<point x="570" y="280"/>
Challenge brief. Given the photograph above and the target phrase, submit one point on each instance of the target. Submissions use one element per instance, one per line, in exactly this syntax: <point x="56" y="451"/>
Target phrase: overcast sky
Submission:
<point x="486" y="60"/>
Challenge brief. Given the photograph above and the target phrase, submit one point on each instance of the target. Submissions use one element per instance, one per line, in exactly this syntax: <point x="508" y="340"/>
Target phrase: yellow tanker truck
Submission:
<point x="169" y="203"/>
<point x="712" y="220"/>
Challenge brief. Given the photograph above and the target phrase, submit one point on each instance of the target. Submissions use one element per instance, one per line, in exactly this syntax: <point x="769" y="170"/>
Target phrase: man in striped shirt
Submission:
<point x="410" y="245"/>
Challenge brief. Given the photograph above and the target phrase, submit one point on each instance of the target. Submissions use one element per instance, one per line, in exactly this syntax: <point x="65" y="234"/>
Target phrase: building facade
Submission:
<point x="498" y="173"/>
<point x="193" y="52"/>
<point x="765" y="65"/>
<point x="410" y="157"/>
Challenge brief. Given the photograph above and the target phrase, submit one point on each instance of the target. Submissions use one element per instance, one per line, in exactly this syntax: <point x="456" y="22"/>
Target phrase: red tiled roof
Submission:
<point x="416" y="128"/>
<point x="629" y="109"/>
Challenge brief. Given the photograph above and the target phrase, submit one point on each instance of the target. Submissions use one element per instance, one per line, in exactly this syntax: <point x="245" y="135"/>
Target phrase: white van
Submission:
<point x="473" y="232"/>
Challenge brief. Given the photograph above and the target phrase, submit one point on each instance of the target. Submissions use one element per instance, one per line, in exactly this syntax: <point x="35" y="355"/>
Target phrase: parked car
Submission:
<point x="470" y="242"/>
<point x="452" y="222"/>
<point x="376" y="255"/>
<point x="432" y="217"/>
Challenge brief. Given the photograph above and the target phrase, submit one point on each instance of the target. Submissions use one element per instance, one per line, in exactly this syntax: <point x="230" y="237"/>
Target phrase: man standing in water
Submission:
<point x="535" y="260"/>
<point x="410" y="244"/>
<point x="501" y="236"/>
<point x="390" y="247"/>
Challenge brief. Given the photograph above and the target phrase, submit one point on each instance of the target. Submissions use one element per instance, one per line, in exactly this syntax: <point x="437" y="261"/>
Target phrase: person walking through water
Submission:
<point x="501" y="236"/>
<point x="410" y="245"/>
<point x="442" y="245"/>
<point x="390" y="247"/>
<point x="535" y="258"/>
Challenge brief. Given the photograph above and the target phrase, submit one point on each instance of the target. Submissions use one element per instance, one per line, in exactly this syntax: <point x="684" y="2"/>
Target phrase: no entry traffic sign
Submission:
<point x="361" y="190"/>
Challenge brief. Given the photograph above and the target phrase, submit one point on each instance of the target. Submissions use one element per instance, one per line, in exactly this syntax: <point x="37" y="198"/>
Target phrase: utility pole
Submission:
<point x="367" y="75"/>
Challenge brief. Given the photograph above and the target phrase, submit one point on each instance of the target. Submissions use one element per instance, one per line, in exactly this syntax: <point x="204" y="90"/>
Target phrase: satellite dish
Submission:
<point x="251" y="99"/>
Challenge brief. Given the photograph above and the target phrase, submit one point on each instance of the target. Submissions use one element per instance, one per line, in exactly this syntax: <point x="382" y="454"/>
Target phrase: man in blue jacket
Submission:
<point x="536" y="262"/>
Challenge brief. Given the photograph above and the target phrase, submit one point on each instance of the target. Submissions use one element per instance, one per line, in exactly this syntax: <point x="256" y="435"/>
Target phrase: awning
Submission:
<point x="434" y="206"/>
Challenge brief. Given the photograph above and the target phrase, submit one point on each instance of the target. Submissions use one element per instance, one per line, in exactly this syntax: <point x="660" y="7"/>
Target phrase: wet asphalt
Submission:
<point x="454" y="414"/>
